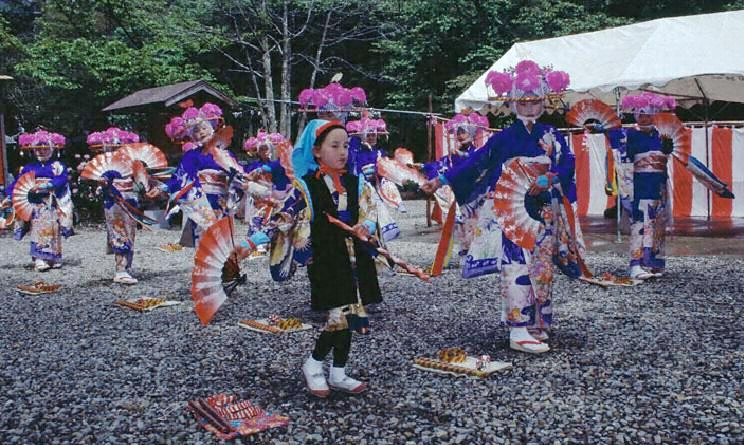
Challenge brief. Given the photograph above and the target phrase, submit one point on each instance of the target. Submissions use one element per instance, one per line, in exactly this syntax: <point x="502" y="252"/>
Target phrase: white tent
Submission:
<point x="698" y="56"/>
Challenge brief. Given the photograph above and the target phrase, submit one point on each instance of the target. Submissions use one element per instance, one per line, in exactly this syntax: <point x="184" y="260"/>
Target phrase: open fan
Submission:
<point x="389" y="193"/>
<point x="594" y="109"/>
<point x="284" y="154"/>
<point x="669" y="126"/>
<point x="217" y="147"/>
<point x="509" y="202"/>
<point x="216" y="271"/>
<point x="21" y="205"/>
<point x="149" y="154"/>
<point x="397" y="172"/>
<point x="403" y="155"/>
<point x="105" y="162"/>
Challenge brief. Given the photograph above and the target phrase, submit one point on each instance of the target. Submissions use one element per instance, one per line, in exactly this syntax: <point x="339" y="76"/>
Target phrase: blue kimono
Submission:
<point x="526" y="275"/>
<point x="434" y="168"/>
<point x="648" y="206"/>
<point x="48" y="218"/>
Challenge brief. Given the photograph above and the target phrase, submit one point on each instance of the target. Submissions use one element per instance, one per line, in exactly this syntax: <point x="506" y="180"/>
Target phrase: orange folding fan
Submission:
<point x="398" y="173"/>
<point x="587" y="109"/>
<point x="148" y="154"/>
<point x="216" y="271"/>
<point x="21" y="205"/>
<point x="509" y="202"/>
<point x="104" y="162"/>
<point x="669" y="126"/>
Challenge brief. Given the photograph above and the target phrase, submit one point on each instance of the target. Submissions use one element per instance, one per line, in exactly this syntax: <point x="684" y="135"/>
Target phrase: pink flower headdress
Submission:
<point x="112" y="137"/>
<point x="647" y="103"/>
<point x="41" y="138"/>
<point x="472" y="122"/>
<point x="263" y="138"/>
<point x="332" y="98"/>
<point x="365" y="126"/>
<point x="526" y="81"/>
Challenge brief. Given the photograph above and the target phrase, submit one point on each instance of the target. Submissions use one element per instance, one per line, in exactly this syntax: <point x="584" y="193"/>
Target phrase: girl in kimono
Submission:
<point x="341" y="269"/>
<point x="645" y="154"/>
<point x="50" y="199"/>
<point x="266" y="178"/>
<point x="526" y="272"/>
<point x="121" y="229"/>
<point x="206" y="184"/>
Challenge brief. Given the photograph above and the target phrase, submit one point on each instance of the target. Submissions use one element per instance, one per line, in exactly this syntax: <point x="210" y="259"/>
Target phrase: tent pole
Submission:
<point x="706" y="103"/>
<point x="618" y="203"/>
<point x="429" y="155"/>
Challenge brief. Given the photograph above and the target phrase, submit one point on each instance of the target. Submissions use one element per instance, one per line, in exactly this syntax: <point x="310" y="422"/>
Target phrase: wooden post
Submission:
<point x="3" y="152"/>
<point x="429" y="157"/>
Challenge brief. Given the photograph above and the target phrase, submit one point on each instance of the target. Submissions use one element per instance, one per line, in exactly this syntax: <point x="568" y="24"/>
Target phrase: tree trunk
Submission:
<point x="285" y="115"/>
<point x="268" y="80"/>
<point x="316" y="65"/>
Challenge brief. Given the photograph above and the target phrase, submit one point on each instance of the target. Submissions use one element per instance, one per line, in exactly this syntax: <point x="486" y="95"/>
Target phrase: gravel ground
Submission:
<point x="660" y="363"/>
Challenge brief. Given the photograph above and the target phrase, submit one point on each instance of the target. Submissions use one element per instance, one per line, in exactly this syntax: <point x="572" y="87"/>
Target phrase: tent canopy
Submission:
<point x="696" y="56"/>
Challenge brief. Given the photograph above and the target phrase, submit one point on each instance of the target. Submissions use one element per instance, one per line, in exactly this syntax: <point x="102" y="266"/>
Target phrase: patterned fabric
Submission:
<point x="648" y="234"/>
<point x="526" y="276"/>
<point x="52" y="216"/>
<point x="120" y="230"/>
<point x="45" y="235"/>
<point x="243" y="417"/>
<point x="207" y="201"/>
<point x="643" y="157"/>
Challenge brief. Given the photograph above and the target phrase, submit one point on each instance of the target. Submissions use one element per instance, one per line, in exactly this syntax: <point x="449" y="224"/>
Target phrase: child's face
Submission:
<point x="644" y="120"/>
<point x="334" y="151"/>
<point x="372" y="138"/>
<point x="463" y="136"/>
<point x="531" y="109"/>
<point x="203" y="132"/>
<point x="264" y="152"/>
<point x="43" y="154"/>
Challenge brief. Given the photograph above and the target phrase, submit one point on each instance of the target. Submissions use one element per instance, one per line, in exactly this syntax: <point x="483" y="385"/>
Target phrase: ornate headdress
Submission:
<point x="526" y="81"/>
<point x="472" y="122"/>
<point x="333" y="98"/>
<point x="113" y="137"/>
<point x="365" y="126"/>
<point x="647" y="103"/>
<point x="252" y="144"/>
<point x="41" y="138"/>
<point x="179" y="128"/>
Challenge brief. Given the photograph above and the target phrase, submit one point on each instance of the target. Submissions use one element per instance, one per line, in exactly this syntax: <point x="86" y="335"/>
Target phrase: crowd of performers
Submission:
<point x="325" y="203"/>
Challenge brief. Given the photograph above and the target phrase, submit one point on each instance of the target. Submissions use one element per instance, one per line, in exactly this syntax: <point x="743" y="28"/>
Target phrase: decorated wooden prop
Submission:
<point x="105" y="162"/>
<point x="669" y="126"/>
<point x="413" y="270"/>
<point x="150" y="155"/>
<point x="593" y="109"/>
<point x="509" y="202"/>
<point x="216" y="271"/>
<point x="21" y="205"/>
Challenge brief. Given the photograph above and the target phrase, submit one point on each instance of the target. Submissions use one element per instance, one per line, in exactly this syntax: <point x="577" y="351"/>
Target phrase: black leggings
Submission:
<point x="339" y="341"/>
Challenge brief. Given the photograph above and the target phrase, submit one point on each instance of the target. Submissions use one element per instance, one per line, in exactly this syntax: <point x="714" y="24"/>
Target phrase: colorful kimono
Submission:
<point x="361" y="157"/>
<point x="208" y="200"/>
<point x="342" y="272"/>
<point x="464" y="227"/>
<point x="648" y="201"/>
<point x="260" y="197"/>
<point x="121" y="229"/>
<point x="526" y="275"/>
<point x="52" y="215"/>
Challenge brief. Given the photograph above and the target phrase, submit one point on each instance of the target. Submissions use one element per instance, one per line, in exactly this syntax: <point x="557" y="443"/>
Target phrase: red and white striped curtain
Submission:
<point x="725" y="158"/>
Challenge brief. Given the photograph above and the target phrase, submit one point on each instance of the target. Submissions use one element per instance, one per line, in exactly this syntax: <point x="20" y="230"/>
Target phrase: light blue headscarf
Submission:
<point x="303" y="160"/>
